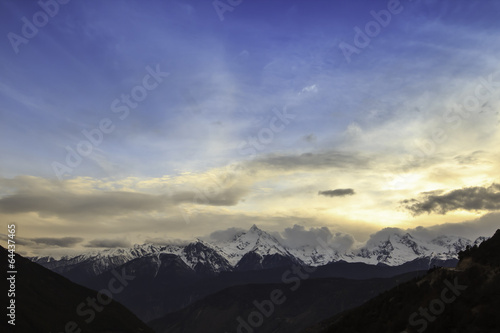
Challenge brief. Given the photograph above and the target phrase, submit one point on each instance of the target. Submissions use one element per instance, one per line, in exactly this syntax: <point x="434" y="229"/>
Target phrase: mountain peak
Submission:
<point x="254" y="228"/>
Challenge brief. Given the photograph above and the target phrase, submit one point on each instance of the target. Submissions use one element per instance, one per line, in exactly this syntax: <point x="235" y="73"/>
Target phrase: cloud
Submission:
<point x="298" y="236"/>
<point x="340" y="192"/>
<point x="342" y="242"/>
<point x="383" y="235"/>
<point x="309" y="89"/>
<point x="470" y="198"/>
<point x="225" y="235"/>
<point x="310" y="138"/>
<point x="45" y="242"/>
<point x="67" y="203"/>
<point x="109" y="243"/>
<point x="164" y="241"/>
<point x="217" y="197"/>
<point x="312" y="161"/>
<point x="484" y="226"/>
<point x="61" y="242"/>
<point x="68" y="199"/>
<point x="470" y="159"/>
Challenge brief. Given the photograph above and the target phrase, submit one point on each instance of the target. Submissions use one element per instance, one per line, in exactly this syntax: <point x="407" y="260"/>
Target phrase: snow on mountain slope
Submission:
<point x="255" y="240"/>
<point x="97" y="261"/>
<point x="201" y="257"/>
<point x="195" y="255"/>
<point x="256" y="245"/>
<point x="398" y="249"/>
<point x="316" y="256"/>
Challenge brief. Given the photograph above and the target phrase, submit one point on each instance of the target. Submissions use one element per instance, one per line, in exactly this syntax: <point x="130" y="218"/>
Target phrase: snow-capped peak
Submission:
<point x="210" y="256"/>
<point x="254" y="240"/>
<point x="255" y="229"/>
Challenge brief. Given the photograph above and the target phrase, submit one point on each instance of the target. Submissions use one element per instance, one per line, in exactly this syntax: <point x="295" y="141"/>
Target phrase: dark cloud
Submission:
<point x="61" y="242"/>
<point x="340" y="192"/>
<point x="213" y="196"/>
<point x="469" y="198"/>
<point x="109" y="243"/>
<point x="313" y="161"/>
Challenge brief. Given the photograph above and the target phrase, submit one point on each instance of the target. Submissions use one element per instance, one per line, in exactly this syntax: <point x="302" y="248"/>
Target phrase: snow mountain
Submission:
<point x="256" y="249"/>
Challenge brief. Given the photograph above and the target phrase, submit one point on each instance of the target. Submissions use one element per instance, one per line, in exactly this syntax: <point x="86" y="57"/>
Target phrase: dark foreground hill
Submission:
<point x="48" y="302"/>
<point x="286" y="307"/>
<point x="165" y="284"/>
<point x="465" y="299"/>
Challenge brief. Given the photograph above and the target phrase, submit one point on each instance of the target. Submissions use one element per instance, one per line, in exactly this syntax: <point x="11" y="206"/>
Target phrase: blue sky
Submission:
<point x="385" y="121"/>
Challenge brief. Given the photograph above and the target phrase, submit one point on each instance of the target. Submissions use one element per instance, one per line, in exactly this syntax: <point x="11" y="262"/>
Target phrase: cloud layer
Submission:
<point x="109" y="243"/>
<point x="470" y="198"/>
<point x="66" y="198"/>
<point x="298" y="236"/>
<point x="251" y="129"/>
<point x="46" y="242"/>
<point x="61" y="242"/>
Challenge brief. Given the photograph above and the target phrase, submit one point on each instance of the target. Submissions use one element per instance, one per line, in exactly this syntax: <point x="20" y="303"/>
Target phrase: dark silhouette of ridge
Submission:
<point x="464" y="299"/>
<point x="48" y="302"/>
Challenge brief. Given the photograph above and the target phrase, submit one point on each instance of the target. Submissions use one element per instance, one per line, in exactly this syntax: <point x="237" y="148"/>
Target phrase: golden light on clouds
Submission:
<point x="267" y="131"/>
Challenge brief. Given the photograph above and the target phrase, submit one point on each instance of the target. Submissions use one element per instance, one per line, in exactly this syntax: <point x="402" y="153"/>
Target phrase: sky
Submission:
<point x="128" y="121"/>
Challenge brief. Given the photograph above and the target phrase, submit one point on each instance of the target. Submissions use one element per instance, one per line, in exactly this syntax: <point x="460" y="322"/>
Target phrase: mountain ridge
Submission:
<point x="170" y="277"/>
<point x="424" y="304"/>
<point x="48" y="302"/>
<point x="255" y="246"/>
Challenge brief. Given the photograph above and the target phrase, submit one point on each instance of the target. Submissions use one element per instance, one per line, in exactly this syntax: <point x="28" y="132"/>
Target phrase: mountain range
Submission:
<point x="257" y="249"/>
<point x="171" y="277"/>
<point x="459" y="299"/>
<point x="253" y="282"/>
